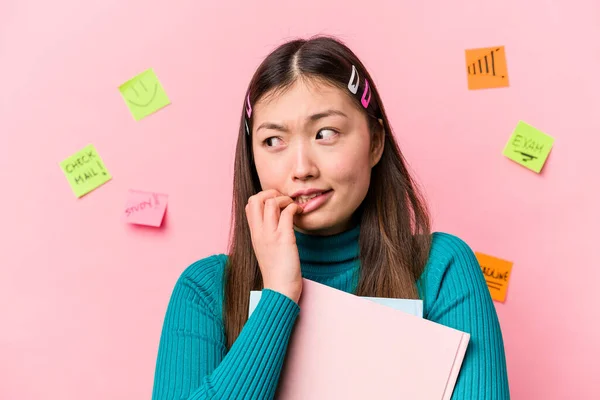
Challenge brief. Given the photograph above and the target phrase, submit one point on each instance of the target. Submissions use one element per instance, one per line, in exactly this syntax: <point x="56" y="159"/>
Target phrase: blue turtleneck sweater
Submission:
<point x="193" y="362"/>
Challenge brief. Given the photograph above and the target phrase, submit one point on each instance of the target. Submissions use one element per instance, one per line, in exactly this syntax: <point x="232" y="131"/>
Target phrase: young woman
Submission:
<point x="321" y="191"/>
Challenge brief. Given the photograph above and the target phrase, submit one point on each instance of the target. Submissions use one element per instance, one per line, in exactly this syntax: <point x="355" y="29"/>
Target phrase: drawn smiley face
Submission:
<point x="144" y="94"/>
<point x="139" y="95"/>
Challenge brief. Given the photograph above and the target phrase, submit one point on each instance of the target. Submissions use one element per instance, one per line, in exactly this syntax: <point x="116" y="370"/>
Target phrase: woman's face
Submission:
<point x="311" y="140"/>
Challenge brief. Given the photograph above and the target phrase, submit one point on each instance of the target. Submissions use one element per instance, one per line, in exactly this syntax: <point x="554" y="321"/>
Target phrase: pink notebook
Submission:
<point x="345" y="347"/>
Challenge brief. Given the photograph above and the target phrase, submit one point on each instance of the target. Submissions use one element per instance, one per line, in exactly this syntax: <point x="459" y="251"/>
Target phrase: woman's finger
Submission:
<point x="271" y="216"/>
<point x="283" y="201"/>
<point x="286" y="220"/>
<point x="255" y="208"/>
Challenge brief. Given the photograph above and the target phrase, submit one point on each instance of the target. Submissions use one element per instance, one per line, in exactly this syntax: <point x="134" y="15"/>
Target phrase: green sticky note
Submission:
<point x="85" y="171"/>
<point x="144" y="94"/>
<point x="529" y="147"/>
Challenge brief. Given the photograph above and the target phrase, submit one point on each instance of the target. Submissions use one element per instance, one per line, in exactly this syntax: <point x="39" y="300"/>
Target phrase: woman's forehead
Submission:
<point x="303" y="97"/>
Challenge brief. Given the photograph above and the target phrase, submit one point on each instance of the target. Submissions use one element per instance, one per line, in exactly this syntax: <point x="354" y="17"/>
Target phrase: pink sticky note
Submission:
<point x="145" y="208"/>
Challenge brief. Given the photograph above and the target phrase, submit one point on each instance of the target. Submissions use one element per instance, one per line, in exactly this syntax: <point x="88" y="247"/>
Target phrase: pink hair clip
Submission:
<point x="248" y="107"/>
<point x="363" y="100"/>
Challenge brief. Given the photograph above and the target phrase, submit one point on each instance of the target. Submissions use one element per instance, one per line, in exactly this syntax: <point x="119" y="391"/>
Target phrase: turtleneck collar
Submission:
<point x="328" y="256"/>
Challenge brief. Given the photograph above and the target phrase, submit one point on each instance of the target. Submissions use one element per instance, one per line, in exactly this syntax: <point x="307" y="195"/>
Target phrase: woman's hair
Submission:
<point x="394" y="238"/>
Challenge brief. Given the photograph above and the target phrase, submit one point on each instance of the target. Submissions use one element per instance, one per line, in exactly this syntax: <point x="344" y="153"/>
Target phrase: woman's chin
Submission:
<point x="314" y="224"/>
<point x="309" y="224"/>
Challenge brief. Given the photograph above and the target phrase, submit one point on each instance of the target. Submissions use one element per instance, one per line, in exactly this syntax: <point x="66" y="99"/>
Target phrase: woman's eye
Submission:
<point x="272" y="141"/>
<point x="326" y="134"/>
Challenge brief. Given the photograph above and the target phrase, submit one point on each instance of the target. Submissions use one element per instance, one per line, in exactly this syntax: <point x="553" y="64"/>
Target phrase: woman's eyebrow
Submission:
<point x="272" y="125"/>
<point x="326" y="113"/>
<point x="309" y="120"/>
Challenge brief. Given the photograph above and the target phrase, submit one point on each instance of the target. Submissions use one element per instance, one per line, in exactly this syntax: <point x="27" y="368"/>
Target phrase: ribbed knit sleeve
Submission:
<point x="457" y="296"/>
<point x="192" y="361"/>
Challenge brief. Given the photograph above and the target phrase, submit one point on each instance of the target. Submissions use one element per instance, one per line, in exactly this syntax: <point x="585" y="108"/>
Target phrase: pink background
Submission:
<point x="83" y="295"/>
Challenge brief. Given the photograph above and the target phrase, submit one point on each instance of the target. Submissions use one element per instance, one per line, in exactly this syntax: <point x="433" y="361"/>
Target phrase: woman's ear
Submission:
<point x="377" y="144"/>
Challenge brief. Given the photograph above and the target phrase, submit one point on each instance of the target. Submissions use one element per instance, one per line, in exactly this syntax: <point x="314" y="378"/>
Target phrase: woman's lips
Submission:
<point x="315" y="202"/>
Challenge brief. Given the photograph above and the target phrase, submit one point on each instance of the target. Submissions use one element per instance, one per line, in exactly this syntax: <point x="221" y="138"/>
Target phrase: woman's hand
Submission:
<point x="271" y="219"/>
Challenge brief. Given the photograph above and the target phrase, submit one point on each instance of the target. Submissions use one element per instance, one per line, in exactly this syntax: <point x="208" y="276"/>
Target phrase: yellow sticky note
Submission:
<point x="144" y="94"/>
<point x="85" y="171"/>
<point x="486" y="68"/>
<point x="529" y="147"/>
<point x="497" y="274"/>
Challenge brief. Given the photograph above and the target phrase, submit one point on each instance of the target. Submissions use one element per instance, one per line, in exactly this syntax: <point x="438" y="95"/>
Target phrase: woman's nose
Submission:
<point x="303" y="163"/>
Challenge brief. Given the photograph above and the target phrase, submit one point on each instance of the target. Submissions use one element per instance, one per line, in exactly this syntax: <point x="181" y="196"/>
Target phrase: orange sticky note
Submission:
<point x="486" y="68"/>
<point x="497" y="274"/>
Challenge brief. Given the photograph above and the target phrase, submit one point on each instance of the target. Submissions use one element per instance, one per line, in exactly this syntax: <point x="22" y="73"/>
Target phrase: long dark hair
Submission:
<point x="394" y="238"/>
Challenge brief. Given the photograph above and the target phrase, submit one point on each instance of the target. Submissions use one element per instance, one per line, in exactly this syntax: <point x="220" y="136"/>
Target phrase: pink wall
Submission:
<point x="82" y="296"/>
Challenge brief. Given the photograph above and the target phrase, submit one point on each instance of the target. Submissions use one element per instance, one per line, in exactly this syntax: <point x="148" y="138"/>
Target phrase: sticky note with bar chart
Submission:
<point x="486" y="68"/>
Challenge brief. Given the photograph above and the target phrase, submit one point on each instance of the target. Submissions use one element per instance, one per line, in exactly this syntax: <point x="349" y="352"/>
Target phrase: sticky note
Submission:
<point x="497" y="274"/>
<point x="144" y="94"/>
<point x="529" y="147"/>
<point x="145" y="208"/>
<point x="85" y="171"/>
<point x="486" y="68"/>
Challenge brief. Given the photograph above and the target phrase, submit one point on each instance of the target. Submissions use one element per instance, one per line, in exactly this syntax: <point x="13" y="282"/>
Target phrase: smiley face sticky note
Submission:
<point x="529" y="147"/>
<point x="145" y="208"/>
<point x="497" y="274"/>
<point x="85" y="171"/>
<point x="144" y="94"/>
<point x="486" y="68"/>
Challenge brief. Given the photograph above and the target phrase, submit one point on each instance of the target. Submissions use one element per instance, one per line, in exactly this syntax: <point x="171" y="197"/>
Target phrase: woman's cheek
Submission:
<point x="271" y="175"/>
<point x="346" y="173"/>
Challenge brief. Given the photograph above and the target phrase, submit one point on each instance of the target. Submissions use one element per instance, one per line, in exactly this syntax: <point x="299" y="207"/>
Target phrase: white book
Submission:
<point x="409" y="306"/>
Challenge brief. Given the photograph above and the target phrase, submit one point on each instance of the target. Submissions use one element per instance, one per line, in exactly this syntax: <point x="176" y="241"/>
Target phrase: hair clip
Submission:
<point x="363" y="100"/>
<point x="353" y="87"/>
<point x="247" y="129"/>
<point x="248" y="107"/>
